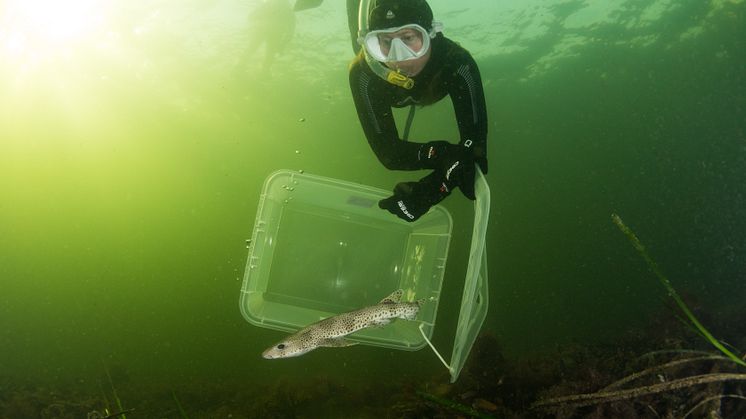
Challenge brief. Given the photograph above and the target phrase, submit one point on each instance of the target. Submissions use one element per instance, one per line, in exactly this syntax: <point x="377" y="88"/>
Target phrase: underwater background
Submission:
<point x="135" y="138"/>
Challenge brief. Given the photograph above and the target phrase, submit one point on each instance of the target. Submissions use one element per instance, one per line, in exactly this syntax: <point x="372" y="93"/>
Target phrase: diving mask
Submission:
<point x="402" y="43"/>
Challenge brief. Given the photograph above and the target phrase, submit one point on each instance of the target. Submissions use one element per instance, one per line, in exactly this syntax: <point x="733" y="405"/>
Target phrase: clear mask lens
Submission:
<point x="404" y="43"/>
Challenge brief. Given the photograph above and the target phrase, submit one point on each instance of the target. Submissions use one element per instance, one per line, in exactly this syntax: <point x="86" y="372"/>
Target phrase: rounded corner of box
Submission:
<point x="273" y="176"/>
<point x="245" y="308"/>
<point x="418" y="346"/>
<point x="410" y="346"/>
<point x="252" y="319"/>
<point x="278" y="172"/>
<point x="447" y="214"/>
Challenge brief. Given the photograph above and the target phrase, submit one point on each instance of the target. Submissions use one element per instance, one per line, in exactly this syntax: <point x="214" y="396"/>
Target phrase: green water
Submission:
<point x="133" y="150"/>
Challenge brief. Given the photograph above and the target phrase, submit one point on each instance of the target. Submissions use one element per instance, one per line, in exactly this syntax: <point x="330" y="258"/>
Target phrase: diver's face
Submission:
<point x="413" y="40"/>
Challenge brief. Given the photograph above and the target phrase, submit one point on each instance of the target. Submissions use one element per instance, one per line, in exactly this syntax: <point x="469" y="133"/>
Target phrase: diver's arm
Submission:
<point x="467" y="95"/>
<point x="378" y="123"/>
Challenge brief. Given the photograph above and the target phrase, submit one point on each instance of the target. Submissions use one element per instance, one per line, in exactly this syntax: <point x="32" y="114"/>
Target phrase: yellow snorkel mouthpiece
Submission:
<point x="399" y="79"/>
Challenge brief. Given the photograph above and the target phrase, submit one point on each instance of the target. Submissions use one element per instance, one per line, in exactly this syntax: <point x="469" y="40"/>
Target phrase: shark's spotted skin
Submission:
<point x="331" y="331"/>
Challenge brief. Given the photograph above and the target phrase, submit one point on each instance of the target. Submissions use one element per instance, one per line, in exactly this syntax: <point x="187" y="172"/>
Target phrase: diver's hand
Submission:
<point x="479" y="151"/>
<point x="454" y="163"/>
<point x="411" y="200"/>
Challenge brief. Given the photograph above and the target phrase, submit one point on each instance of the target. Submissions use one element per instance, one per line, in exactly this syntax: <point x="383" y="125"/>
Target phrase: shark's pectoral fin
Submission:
<point x="380" y="322"/>
<point x="336" y="343"/>
<point x="410" y="315"/>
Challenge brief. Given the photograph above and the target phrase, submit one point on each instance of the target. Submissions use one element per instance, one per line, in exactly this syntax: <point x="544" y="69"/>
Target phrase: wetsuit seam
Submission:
<point x="464" y="72"/>
<point x="364" y="83"/>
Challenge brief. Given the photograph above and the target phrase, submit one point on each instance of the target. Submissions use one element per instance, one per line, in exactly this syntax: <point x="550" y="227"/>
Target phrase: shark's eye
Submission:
<point x="281" y="346"/>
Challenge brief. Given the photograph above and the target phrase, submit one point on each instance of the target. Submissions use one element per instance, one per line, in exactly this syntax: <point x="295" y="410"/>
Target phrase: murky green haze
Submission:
<point x="132" y="154"/>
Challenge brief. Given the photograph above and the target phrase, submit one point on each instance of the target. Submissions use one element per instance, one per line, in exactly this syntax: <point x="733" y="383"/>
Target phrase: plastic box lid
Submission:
<point x="322" y="246"/>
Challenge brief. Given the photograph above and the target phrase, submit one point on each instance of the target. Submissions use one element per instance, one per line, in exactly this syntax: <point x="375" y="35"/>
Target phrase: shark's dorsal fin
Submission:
<point x="394" y="298"/>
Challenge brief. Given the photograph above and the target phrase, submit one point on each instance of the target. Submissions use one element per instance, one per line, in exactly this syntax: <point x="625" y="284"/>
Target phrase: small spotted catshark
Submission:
<point x="331" y="331"/>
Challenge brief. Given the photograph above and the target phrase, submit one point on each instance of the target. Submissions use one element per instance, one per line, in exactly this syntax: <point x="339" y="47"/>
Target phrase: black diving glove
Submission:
<point x="479" y="151"/>
<point x="454" y="163"/>
<point x="413" y="199"/>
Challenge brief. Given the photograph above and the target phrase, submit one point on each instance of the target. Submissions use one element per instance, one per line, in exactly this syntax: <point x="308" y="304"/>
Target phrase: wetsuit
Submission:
<point x="451" y="71"/>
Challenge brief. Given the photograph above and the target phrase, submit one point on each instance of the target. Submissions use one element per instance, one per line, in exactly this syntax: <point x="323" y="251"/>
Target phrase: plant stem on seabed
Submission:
<point x="672" y="292"/>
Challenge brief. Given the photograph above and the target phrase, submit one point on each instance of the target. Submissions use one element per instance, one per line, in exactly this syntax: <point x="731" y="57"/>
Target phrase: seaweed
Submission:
<point x="118" y="401"/>
<point x="182" y="413"/>
<point x="453" y="405"/>
<point x="672" y="292"/>
<point x="683" y="374"/>
<point x="108" y="411"/>
<point x="667" y="389"/>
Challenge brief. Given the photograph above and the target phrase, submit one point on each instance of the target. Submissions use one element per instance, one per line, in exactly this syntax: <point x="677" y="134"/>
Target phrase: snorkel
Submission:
<point x="394" y="77"/>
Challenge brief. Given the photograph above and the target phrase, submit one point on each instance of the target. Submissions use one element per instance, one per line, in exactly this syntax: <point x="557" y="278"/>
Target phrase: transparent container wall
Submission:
<point x="321" y="247"/>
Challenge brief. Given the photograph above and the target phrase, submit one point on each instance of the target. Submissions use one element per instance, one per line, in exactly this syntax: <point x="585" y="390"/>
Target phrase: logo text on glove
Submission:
<point x="403" y="209"/>
<point x="451" y="169"/>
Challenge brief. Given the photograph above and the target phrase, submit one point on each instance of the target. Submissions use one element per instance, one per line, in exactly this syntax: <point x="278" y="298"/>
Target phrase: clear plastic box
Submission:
<point x="322" y="246"/>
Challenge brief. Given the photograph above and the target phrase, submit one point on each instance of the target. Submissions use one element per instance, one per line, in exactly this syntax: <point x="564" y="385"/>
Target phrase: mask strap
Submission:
<point x="437" y="27"/>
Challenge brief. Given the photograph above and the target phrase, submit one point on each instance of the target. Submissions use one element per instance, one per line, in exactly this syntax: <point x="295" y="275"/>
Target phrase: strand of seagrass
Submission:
<point x="671" y="291"/>
<point x="621" y="382"/>
<point x="587" y="399"/>
<point x="722" y="396"/>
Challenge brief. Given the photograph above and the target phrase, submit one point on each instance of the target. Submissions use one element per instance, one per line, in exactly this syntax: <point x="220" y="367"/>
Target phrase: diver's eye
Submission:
<point x="281" y="346"/>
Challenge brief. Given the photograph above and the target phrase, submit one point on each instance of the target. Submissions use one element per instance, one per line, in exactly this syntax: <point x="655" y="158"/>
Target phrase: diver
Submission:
<point x="407" y="61"/>
<point x="271" y="25"/>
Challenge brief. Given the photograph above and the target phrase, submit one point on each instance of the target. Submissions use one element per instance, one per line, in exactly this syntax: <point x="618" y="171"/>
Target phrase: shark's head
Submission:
<point x="286" y="349"/>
